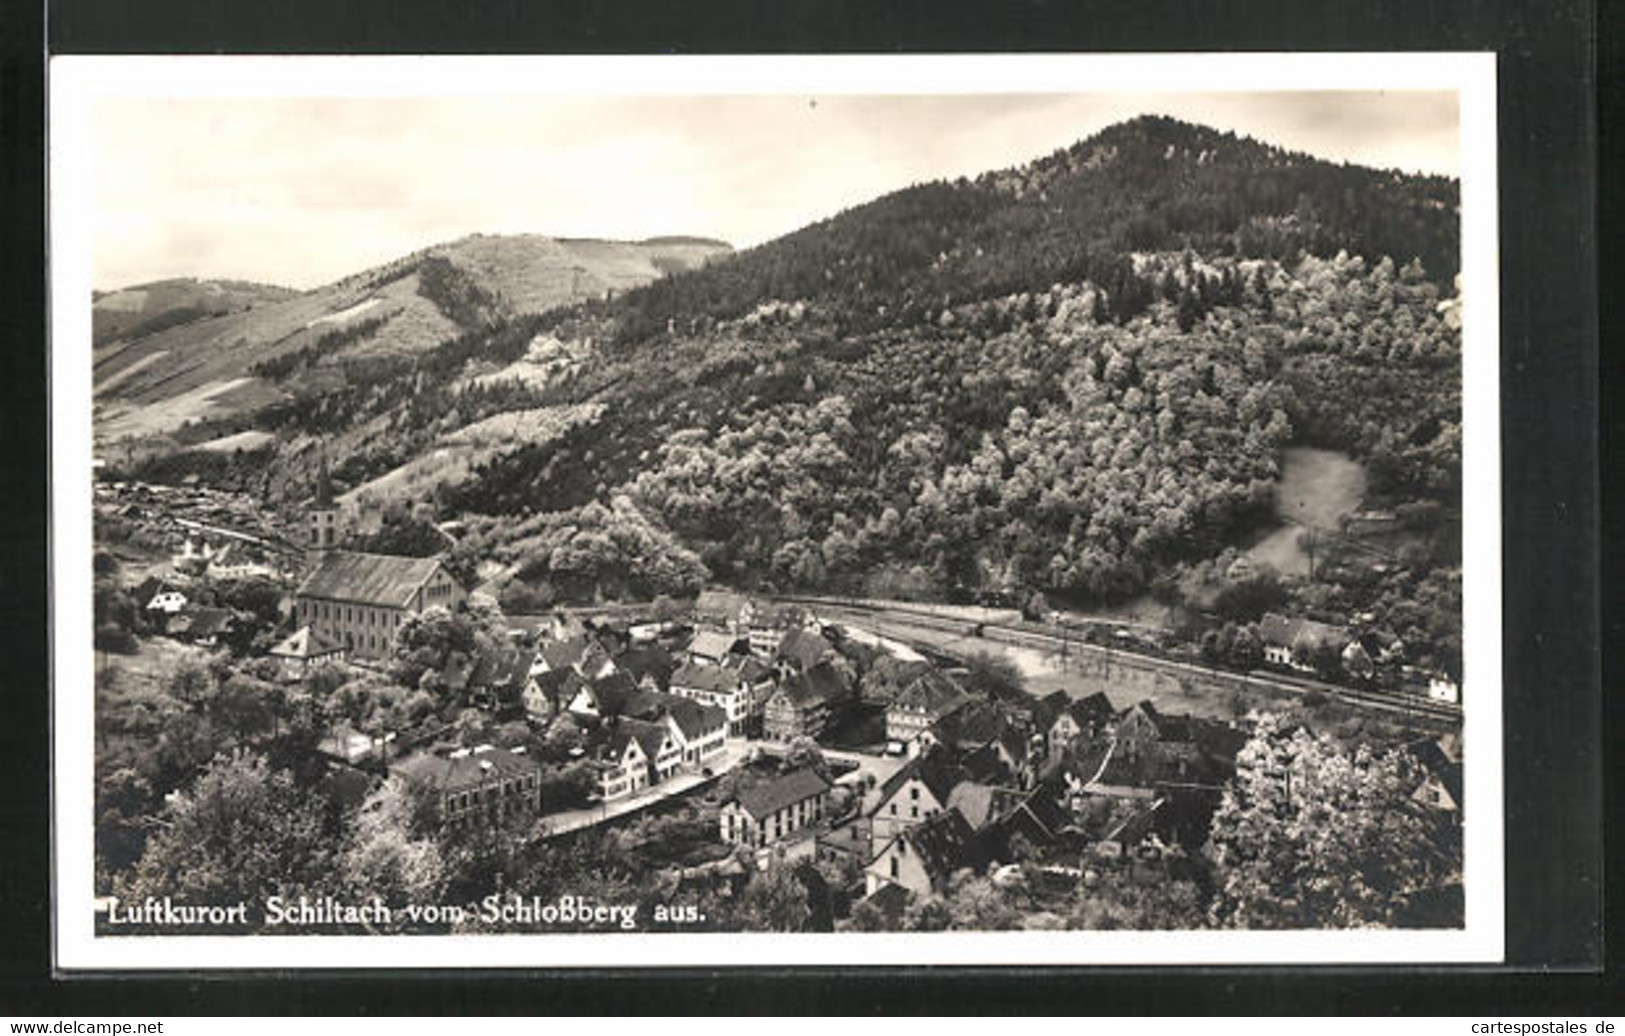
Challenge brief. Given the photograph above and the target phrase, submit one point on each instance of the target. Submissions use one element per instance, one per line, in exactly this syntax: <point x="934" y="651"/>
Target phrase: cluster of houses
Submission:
<point x="1306" y="646"/>
<point x="998" y="777"/>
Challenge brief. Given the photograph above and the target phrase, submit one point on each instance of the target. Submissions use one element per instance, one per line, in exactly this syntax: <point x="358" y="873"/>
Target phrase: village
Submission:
<point x="792" y="735"/>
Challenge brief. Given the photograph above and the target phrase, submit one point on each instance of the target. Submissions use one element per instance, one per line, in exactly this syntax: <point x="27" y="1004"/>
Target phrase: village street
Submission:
<point x="735" y="752"/>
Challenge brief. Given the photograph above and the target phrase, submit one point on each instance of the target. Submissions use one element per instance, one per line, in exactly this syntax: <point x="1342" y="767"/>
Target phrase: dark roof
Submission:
<point x="1048" y="708"/>
<point x="765" y="799"/>
<point x="973" y="724"/>
<point x="945" y="844"/>
<point x="714" y="643"/>
<point x="891" y="899"/>
<point x="1095" y="709"/>
<point x="706" y="678"/>
<point x="648" y="660"/>
<point x="305" y="643"/>
<point x="201" y="622"/>
<point x="820" y="684"/>
<point x="982" y="804"/>
<point x="618" y="694"/>
<point x="932" y="769"/>
<point x="501" y="669"/>
<point x="457" y="770"/>
<point x="986" y="764"/>
<point x="650" y="735"/>
<point x="382" y="580"/>
<point x="1281" y="631"/>
<point x="750" y="669"/>
<point x="932" y="693"/>
<point x="562" y="654"/>
<point x="556" y="684"/>
<point x="693" y="719"/>
<point x="804" y="647"/>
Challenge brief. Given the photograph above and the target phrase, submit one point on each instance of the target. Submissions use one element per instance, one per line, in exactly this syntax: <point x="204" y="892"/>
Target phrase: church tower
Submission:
<point x="324" y="519"/>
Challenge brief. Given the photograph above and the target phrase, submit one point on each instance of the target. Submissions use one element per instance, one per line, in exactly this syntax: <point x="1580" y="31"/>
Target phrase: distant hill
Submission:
<point x="145" y="309"/>
<point x="211" y="354"/>
<point x="1076" y="376"/>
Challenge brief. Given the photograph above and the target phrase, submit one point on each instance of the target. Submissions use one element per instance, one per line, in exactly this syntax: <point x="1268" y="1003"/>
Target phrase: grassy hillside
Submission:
<point x="145" y="309"/>
<point x="191" y="370"/>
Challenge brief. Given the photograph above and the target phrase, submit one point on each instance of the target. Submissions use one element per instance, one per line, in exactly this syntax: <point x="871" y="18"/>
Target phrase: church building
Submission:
<point x="357" y="601"/>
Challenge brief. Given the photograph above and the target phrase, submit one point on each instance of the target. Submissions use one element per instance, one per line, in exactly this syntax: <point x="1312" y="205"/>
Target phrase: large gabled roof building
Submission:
<point x="360" y="601"/>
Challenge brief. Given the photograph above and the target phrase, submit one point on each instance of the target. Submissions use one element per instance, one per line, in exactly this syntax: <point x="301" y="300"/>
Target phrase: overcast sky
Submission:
<point x="302" y="192"/>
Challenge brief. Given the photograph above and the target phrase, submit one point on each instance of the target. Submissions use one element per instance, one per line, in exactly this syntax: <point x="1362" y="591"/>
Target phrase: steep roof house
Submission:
<point x="773" y="810"/>
<point x="800" y="706"/>
<point x="360" y="600"/>
<point x="919" y="790"/>
<point x="922" y="858"/>
<point x="301" y="650"/>
<point x="921" y="705"/>
<point x="476" y="786"/>
<point x="1296" y="642"/>
<point x="804" y="648"/>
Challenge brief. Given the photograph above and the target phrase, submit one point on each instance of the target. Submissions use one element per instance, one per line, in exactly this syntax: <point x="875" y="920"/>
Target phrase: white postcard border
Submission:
<point x="77" y="81"/>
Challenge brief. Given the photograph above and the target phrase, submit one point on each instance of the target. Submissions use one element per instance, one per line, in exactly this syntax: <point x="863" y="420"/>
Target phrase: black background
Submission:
<point x="1549" y="96"/>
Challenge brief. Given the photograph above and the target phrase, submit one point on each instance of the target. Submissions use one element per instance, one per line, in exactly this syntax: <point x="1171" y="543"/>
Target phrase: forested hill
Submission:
<point x="1077" y="376"/>
<point x="1150" y="184"/>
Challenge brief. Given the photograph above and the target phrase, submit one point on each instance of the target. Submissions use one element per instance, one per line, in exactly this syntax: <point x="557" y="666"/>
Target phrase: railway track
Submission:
<point x="1055" y="643"/>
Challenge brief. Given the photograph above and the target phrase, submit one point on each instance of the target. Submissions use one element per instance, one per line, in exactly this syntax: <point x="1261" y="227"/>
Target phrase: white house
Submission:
<point x="170" y="602"/>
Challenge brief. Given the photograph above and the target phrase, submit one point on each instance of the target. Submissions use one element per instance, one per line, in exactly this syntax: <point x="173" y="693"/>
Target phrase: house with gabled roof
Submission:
<point x="613" y="696"/>
<point x="200" y="625"/>
<point x="714" y="647"/>
<point x="801" y="705"/>
<point x="545" y="694"/>
<point x="1080" y="717"/>
<point x="302" y="650"/>
<point x="918" y="791"/>
<point x="701" y="730"/>
<point x="621" y="765"/>
<point x="923" y="704"/>
<point x="1035" y="821"/>
<point x="658" y="740"/>
<point x="649" y="664"/>
<point x="717" y="686"/>
<point x="359" y="601"/>
<point x="804" y="648"/>
<point x="475" y="786"/>
<point x="499" y="678"/>
<point x="1294" y="643"/>
<point x="771" y="811"/>
<point x="921" y="859"/>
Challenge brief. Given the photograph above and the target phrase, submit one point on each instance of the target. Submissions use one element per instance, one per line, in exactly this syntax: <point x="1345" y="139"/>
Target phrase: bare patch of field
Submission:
<point x="457" y="453"/>
<point x="214" y="398"/>
<point x="346" y="314"/>
<point x="245" y="441"/>
<point x="1316" y="488"/>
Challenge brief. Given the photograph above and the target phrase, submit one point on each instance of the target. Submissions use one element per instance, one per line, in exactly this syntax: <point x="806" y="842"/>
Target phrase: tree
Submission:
<point x="389" y="851"/>
<point x="241" y="832"/>
<point x="1309" y="835"/>
<point x="778" y="898"/>
<point x="993" y="676"/>
<point x="803" y="751"/>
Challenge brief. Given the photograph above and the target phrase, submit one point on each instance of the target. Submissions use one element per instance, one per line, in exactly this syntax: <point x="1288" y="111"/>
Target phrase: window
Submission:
<point x="914" y="793"/>
<point x="894" y="809"/>
<point x="894" y="866"/>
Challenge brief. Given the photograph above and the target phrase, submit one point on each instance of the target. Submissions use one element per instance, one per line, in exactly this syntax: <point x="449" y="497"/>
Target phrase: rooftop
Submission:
<point x="377" y="579"/>
<point x="763" y="800"/>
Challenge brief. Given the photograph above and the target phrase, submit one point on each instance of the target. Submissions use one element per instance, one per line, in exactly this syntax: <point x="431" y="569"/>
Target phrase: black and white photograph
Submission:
<point x="628" y="511"/>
